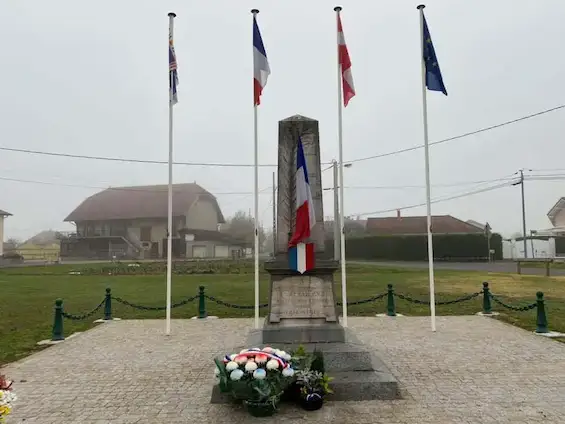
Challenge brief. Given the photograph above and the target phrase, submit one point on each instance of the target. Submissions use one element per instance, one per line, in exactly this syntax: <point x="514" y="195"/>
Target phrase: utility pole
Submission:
<point x="274" y="216"/>
<point x="336" y="213"/>
<point x="521" y="182"/>
<point x="488" y="233"/>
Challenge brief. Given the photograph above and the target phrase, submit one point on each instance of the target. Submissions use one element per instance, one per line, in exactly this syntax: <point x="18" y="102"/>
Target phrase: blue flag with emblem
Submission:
<point x="434" y="80"/>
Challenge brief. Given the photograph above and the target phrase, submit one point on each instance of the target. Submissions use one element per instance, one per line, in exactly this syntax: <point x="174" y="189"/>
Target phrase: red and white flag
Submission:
<point x="345" y="64"/>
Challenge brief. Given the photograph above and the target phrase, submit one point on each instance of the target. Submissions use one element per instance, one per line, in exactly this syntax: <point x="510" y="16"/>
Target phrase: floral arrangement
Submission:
<point x="314" y="384"/>
<point x="256" y="376"/>
<point x="7" y="398"/>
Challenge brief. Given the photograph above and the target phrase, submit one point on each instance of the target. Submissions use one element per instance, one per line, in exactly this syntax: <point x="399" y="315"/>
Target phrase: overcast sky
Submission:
<point x="92" y="80"/>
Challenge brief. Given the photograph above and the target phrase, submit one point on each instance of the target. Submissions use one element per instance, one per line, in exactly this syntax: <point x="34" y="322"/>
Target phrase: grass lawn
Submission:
<point x="28" y="296"/>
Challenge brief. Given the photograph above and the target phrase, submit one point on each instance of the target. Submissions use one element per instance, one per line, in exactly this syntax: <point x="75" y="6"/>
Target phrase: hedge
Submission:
<point x="447" y="247"/>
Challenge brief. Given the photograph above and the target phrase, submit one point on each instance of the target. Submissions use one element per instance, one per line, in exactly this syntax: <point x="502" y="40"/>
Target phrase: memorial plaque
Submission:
<point x="302" y="297"/>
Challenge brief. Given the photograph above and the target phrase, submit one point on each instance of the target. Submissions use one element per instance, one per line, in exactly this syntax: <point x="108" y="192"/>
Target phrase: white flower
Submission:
<point x="250" y="366"/>
<point x="243" y="351"/>
<point x="279" y="353"/>
<point x="287" y="357"/>
<point x="236" y="374"/>
<point x="268" y="349"/>
<point x="230" y="366"/>
<point x="273" y="364"/>
<point x="288" y="372"/>
<point x="259" y="374"/>
<point x="217" y="372"/>
<point x="232" y="356"/>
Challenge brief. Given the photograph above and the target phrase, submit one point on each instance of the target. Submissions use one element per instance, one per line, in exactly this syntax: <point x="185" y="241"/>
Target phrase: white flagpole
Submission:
<point x="256" y="203"/>
<point x="341" y="209"/>
<point x="427" y="166"/>
<point x="170" y="199"/>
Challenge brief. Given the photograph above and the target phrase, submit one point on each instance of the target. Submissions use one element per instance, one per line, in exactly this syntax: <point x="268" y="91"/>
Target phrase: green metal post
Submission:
<point x="201" y="303"/>
<point x="108" y="305"/>
<point x="57" y="333"/>
<point x="390" y="302"/>
<point x="487" y="307"/>
<point x="541" y="326"/>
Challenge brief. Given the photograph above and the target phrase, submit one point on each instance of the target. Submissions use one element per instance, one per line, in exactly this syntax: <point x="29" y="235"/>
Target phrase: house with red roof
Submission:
<point x="131" y="222"/>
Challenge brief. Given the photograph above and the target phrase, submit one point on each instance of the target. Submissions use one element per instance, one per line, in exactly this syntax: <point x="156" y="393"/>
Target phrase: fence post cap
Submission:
<point x="389" y="285"/>
<point x="485" y="284"/>
<point x="539" y="295"/>
<point x="59" y="302"/>
<point x="108" y="290"/>
<point x="201" y="288"/>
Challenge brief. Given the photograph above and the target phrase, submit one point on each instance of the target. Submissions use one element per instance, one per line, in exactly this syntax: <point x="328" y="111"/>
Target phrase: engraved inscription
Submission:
<point x="302" y="297"/>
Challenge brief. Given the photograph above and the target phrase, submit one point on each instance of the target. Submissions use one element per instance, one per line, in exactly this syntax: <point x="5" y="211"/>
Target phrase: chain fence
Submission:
<point x="233" y="305"/>
<point x="442" y="302"/>
<point x="390" y="295"/>
<point x="154" y="308"/>
<point x="84" y="316"/>
<point x="362" y="301"/>
<point x="511" y="307"/>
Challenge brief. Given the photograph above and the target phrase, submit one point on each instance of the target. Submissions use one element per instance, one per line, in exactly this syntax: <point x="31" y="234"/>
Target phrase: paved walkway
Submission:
<point x="472" y="370"/>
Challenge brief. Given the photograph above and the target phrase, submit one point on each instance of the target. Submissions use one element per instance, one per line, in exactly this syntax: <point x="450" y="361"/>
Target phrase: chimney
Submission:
<point x="398" y="214"/>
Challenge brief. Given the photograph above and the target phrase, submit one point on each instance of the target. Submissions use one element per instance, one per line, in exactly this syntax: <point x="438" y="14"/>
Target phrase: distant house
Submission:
<point x="417" y="225"/>
<point x="131" y="222"/>
<point x="3" y="215"/>
<point x="556" y="216"/>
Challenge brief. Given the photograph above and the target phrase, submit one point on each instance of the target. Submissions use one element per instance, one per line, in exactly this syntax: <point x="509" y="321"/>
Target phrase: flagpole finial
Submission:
<point x="172" y="15"/>
<point x="420" y="6"/>
<point x="337" y="8"/>
<point x="254" y="11"/>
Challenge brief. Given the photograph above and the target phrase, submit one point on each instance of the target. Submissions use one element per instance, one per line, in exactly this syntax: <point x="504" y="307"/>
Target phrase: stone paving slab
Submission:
<point x="472" y="370"/>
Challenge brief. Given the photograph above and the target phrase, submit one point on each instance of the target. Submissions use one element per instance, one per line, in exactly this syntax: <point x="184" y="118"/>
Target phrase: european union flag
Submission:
<point x="434" y="80"/>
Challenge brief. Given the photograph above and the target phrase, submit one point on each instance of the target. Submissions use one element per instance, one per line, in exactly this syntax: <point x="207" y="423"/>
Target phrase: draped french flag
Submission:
<point x="301" y="255"/>
<point x="261" y="69"/>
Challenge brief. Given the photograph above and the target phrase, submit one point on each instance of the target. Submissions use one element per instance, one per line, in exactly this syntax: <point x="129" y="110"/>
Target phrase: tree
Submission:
<point x="11" y="244"/>
<point x="242" y="227"/>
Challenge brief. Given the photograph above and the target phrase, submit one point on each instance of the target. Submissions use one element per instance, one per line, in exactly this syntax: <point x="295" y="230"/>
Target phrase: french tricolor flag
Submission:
<point x="261" y="69"/>
<point x="301" y="255"/>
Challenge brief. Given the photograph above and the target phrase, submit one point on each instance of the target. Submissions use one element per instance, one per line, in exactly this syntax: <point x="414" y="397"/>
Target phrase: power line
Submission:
<point x="19" y="180"/>
<point x="444" y="199"/>
<point x="445" y="140"/>
<point x="240" y="165"/>
<point x="117" y="159"/>
<point x="402" y="187"/>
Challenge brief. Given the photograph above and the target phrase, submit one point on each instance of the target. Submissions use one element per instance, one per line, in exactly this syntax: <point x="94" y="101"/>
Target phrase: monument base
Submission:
<point x="358" y="374"/>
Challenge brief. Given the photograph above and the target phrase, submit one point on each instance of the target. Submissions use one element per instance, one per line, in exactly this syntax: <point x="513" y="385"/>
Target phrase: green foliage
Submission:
<point x="447" y="247"/>
<point x="314" y="382"/>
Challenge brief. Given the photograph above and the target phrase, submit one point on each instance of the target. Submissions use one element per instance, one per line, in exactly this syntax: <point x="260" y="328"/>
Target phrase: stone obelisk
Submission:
<point x="302" y="307"/>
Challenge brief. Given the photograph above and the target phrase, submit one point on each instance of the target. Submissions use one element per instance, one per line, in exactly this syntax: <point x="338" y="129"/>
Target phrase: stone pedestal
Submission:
<point x="302" y="307"/>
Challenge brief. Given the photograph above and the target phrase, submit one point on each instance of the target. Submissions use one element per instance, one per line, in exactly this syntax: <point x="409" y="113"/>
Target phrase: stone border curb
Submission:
<point x="492" y="314"/>
<point x="49" y="342"/>
<point x="385" y="315"/>
<point x="204" y="319"/>
<point x="106" y="320"/>
<point x="551" y="334"/>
